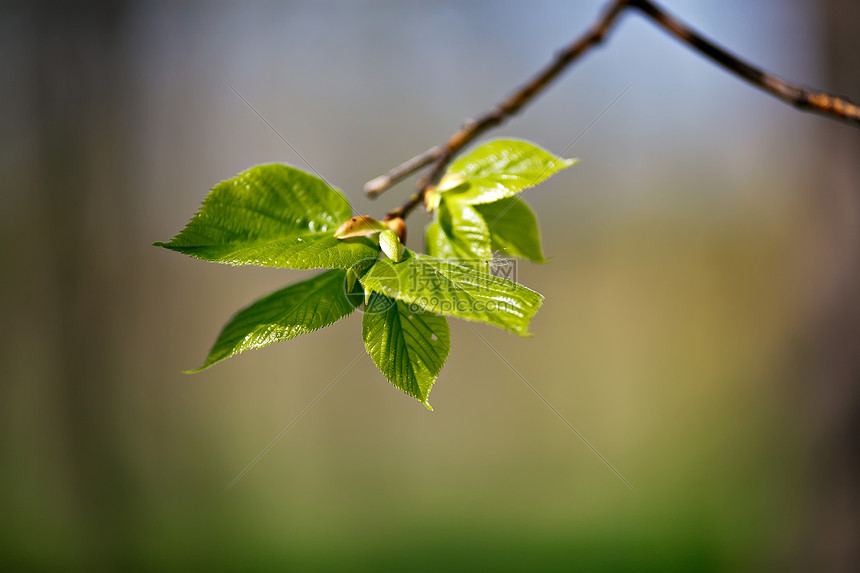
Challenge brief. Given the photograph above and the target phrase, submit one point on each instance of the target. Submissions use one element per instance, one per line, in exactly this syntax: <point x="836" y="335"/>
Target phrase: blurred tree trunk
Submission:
<point x="831" y="540"/>
<point x="78" y="76"/>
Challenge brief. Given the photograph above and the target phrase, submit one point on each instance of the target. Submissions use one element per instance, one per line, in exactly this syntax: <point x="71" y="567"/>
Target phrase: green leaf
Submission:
<point x="437" y="244"/>
<point x="502" y="168"/>
<point x="285" y="314"/>
<point x="274" y="216"/>
<point x="454" y="290"/>
<point x="513" y="228"/>
<point x="460" y="235"/>
<point x="390" y="245"/>
<point x="407" y="344"/>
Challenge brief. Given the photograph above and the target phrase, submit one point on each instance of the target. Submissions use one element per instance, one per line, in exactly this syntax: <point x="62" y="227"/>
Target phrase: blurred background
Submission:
<point x="701" y="328"/>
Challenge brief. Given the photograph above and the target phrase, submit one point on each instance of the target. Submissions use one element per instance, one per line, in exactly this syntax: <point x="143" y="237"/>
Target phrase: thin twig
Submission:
<point x="439" y="156"/>
<point x="807" y="100"/>
<point x="383" y="182"/>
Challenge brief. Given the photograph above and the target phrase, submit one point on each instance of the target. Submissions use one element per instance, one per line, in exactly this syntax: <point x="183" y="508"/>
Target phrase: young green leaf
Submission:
<point x="285" y="314"/>
<point x="437" y="243"/>
<point x="502" y="168"/>
<point x="461" y="234"/>
<point x="513" y="228"/>
<point x="390" y="245"/>
<point x="454" y="290"/>
<point x="276" y="216"/>
<point x="408" y="345"/>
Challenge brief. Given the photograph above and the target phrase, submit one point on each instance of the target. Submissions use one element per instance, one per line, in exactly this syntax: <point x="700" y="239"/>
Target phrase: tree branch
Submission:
<point x="807" y="100"/>
<point x="439" y="156"/>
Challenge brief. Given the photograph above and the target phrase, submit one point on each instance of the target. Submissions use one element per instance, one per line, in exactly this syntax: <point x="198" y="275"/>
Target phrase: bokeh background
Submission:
<point x="700" y="329"/>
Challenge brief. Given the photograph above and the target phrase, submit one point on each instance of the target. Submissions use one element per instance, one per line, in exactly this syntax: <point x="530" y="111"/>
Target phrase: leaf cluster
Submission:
<point x="276" y="215"/>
